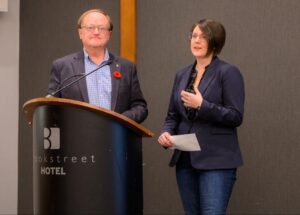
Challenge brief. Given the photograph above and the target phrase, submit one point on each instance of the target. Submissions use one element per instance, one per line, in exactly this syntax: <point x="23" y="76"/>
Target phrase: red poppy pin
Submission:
<point x="117" y="74"/>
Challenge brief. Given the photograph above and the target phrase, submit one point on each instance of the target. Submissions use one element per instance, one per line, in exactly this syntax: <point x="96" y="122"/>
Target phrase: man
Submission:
<point x="114" y="85"/>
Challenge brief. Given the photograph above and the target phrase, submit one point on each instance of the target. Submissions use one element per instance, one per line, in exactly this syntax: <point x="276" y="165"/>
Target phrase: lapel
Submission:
<point x="78" y="68"/>
<point x="115" y="66"/>
<point x="186" y="77"/>
<point x="208" y="76"/>
<point x="182" y="85"/>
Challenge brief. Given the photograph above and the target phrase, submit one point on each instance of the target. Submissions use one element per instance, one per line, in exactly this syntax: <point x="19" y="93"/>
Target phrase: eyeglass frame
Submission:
<point x="195" y="36"/>
<point x="91" y="29"/>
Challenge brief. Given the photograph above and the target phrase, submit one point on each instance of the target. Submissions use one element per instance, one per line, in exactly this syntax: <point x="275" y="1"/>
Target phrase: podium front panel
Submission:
<point x="85" y="163"/>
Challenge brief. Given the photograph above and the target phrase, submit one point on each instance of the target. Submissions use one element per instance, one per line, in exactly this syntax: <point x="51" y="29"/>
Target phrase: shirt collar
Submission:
<point x="106" y="56"/>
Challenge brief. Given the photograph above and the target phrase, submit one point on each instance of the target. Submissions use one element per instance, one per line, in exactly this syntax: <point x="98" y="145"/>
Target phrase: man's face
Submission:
<point x="94" y="31"/>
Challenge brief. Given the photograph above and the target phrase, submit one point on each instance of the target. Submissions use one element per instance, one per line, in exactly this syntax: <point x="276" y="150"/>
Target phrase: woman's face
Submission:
<point x="199" y="44"/>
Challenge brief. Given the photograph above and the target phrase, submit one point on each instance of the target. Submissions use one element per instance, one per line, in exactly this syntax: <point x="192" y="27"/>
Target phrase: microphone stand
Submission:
<point x="78" y="79"/>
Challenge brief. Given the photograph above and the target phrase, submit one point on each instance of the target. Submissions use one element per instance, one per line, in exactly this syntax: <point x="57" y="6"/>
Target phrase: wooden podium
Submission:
<point x="86" y="159"/>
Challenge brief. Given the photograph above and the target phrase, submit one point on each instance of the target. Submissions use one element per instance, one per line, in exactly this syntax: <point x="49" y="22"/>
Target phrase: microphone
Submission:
<point x="83" y="75"/>
<point x="190" y="88"/>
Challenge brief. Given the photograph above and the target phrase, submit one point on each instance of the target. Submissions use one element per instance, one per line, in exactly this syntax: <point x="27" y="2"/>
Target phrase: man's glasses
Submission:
<point x="100" y="29"/>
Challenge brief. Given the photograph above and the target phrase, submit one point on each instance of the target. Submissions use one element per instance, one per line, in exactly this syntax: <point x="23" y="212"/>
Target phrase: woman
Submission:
<point x="208" y="100"/>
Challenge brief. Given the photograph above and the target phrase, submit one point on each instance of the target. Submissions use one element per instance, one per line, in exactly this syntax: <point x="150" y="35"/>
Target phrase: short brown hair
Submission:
<point x="79" y="22"/>
<point x="215" y="34"/>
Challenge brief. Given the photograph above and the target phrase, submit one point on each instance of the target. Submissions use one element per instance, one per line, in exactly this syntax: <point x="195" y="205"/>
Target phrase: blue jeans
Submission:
<point x="205" y="192"/>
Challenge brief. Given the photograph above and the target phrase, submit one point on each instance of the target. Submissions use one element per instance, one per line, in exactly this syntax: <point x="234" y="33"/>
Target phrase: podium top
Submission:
<point x="30" y="106"/>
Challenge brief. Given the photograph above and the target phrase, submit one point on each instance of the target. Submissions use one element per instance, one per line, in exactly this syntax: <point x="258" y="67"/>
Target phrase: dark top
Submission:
<point x="127" y="97"/>
<point x="216" y="122"/>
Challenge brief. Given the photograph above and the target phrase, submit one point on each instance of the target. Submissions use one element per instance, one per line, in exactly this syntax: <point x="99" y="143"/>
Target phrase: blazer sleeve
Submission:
<point x="54" y="82"/>
<point x="229" y="112"/>
<point x="173" y="116"/>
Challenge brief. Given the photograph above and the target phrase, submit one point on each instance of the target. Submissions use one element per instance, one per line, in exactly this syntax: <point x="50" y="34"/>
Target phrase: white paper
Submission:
<point x="185" y="142"/>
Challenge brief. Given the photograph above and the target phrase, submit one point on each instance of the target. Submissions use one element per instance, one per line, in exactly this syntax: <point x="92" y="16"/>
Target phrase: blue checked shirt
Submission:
<point x="98" y="83"/>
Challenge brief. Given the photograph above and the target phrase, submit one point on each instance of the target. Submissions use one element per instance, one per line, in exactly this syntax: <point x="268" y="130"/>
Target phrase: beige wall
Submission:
<point x="9" y="99"/>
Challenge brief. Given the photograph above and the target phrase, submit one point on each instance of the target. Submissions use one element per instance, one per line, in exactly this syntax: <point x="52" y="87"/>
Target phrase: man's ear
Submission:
<point x="79" y="33"/>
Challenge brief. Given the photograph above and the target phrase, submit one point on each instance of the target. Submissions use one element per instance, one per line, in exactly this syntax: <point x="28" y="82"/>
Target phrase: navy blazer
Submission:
<point x="216" y="122"/>
<point x="127" y="97"/>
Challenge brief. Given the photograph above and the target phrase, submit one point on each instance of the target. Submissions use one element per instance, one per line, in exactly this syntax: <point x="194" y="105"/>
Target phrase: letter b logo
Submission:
<point x="51" y="138"/>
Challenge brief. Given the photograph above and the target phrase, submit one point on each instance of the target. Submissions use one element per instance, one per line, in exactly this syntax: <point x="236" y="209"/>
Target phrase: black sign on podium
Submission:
<point x="86" y="159"/>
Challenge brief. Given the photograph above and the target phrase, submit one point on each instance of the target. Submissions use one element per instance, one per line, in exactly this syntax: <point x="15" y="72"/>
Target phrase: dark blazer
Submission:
<point x="216" y="122"/>
<point x="127" y="97"/>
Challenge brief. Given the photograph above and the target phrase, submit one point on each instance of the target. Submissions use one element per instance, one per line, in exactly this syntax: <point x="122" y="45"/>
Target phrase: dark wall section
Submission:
<point x="263" y="41"/>
<point x="48" y="30"/>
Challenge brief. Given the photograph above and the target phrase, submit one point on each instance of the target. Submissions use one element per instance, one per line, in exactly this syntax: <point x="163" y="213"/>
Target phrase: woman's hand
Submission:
<point x="165" y="140"/>
<point x="192" y="100"/>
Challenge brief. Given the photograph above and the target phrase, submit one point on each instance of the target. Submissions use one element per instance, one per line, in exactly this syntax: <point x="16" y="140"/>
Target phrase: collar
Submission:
<point x="87" y="57"/>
